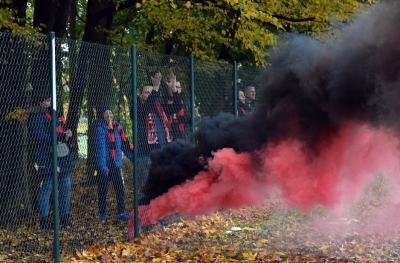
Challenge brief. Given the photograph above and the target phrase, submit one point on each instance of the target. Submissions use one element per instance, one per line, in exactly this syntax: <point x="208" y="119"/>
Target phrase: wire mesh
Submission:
<point x="213" y="88"/>
<point x="96" y="188"/>
<point x="96" y="84"/>
<point x="248" y="77"/>
<point x="163" y="113"/>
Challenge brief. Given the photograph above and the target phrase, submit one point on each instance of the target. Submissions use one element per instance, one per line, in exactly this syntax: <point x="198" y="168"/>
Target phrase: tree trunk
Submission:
<point x="20" y="8"/>
<point x="99" y="78"/>
<point x="44" y="15"/>
<point x="72" y="19"/>
<point x="60" y="24"/>
<point x="51" y="15"/>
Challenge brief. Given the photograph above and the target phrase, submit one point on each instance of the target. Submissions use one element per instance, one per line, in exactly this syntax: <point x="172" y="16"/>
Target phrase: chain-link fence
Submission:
<point x="94" y="131"/>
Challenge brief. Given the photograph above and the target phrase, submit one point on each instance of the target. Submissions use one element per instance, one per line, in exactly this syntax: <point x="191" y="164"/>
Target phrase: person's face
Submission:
<point x="241" y="96"/>
<point x="108" y="116"/>
<point x="146" y="92"/>
<point x="156" y="79"/>
<point x="171" y="83"/>
<point x="46" y="103"/>
<point x="250" y="93"/>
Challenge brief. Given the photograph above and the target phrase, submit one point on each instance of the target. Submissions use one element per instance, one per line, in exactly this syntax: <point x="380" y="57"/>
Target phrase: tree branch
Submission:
<point x="295" y="20"/>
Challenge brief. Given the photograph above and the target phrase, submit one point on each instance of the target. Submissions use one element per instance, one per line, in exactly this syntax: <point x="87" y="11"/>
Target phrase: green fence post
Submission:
<point x="235" y="95"/>
<point x="192" y="94"/>
<point x="54" y="145"/>
<point x="135" y="141"/>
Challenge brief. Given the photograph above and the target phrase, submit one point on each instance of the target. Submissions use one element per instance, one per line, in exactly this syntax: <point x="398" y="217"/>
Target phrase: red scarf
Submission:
<point x="59" y="128"/>
<point x="111" y="136"/>
<point x="151" y="127"/>
<point x="174" y="117"/>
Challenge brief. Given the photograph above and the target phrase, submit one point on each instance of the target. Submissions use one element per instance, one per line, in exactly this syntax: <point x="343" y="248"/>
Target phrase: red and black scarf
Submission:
<point x="177" y="118"/>
<point x="151" y="126"/>
<point x="111" y="136"/>
<point x="61" y="119"/>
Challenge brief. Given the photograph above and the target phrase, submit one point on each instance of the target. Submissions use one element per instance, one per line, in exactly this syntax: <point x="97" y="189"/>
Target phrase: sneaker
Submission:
<point x="124" y="217"/>
<point x="103" y="218"/>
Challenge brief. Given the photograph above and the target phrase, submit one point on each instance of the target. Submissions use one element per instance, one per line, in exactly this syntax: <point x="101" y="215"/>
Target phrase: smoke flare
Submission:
<point x="327" y="123"/>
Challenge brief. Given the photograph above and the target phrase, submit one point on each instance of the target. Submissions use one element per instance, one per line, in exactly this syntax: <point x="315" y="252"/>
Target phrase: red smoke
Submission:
<point x="337" y="174"/>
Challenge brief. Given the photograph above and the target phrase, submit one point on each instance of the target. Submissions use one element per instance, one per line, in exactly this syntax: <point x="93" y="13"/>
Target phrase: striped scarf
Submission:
<point x="61" y="121"/>
<point x="111" y="136"/>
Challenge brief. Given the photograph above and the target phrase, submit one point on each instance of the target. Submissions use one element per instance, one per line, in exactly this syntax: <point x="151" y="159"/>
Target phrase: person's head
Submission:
<point x="196" y="112"/>
<point x="44" y="100"/>
<point x="46" y="103"/>
<point x="146" y="90"/>
<point x="171" y="83"/>
<point x="155" y="78"/>
<point x="250" y="93"/>
<point x="107" y="114"/>
<point x="241" y="96"/>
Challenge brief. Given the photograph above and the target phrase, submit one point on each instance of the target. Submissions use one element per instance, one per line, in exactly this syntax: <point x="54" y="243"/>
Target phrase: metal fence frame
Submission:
<point x="133" y="69"/>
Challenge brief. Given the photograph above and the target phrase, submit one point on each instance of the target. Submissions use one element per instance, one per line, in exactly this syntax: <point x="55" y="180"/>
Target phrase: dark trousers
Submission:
<point x="114" y="175"/>
<point x="143" y="174"/>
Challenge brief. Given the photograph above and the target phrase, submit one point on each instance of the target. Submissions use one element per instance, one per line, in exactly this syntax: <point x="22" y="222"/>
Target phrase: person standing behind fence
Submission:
<point x="174" y="104"/>
<point x="111" y="141"/>
<point x="40" y="128"/>
<point x="243" y="108"/>
<point x="250" y="94"/>
<point x="154" y="130"/>
<point x="184" y="113"/>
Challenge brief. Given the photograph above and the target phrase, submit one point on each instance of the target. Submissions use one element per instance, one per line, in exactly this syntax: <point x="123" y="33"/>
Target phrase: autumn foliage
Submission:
<point x="268" y="233"/>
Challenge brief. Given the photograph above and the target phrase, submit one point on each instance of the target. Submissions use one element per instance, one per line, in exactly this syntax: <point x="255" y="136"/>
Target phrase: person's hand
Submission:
<point x="68" y="134"/>
<point x="156" y="81"/>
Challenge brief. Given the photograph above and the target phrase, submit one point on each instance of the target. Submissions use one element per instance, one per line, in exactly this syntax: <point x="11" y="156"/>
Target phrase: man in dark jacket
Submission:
<point x="154" y="129"/>
<point x="40" y="129"/>
<point x="250" y="94"/>
<point x="175" y="107"/>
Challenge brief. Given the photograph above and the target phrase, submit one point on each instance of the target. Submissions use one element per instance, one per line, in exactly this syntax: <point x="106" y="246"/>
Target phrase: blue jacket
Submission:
<point x="40" y="130"/>
<point x="103" y="158"/>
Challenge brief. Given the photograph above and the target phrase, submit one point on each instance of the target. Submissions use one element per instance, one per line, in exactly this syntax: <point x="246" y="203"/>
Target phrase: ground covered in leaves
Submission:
<point x="267" y="233"/>
<point x="22" y="240"/>
<point x="254" y="234"/>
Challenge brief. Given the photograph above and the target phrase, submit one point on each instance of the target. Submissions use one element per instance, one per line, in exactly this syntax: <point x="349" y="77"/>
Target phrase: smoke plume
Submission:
<point x="327" y="122"/>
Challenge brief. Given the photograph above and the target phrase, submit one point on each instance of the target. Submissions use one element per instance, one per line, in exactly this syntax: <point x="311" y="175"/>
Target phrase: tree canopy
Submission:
<point x="216" y="30"/>
<point x="231" y="29"/>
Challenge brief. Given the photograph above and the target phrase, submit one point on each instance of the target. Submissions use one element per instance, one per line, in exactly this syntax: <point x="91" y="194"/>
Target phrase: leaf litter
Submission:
<point x="268" y="233"/>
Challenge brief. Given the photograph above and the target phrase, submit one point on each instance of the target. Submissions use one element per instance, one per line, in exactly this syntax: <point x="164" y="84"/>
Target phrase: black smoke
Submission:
<point x="308" y="91"/>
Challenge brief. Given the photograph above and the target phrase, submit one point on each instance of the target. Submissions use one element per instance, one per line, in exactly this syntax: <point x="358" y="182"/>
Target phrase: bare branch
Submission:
<point x="295" y="20"/>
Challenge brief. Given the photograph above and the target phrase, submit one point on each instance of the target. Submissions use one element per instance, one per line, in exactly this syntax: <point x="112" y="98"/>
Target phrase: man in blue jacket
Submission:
<point x="111" y="142"/>
<point x="40" y="130"/>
